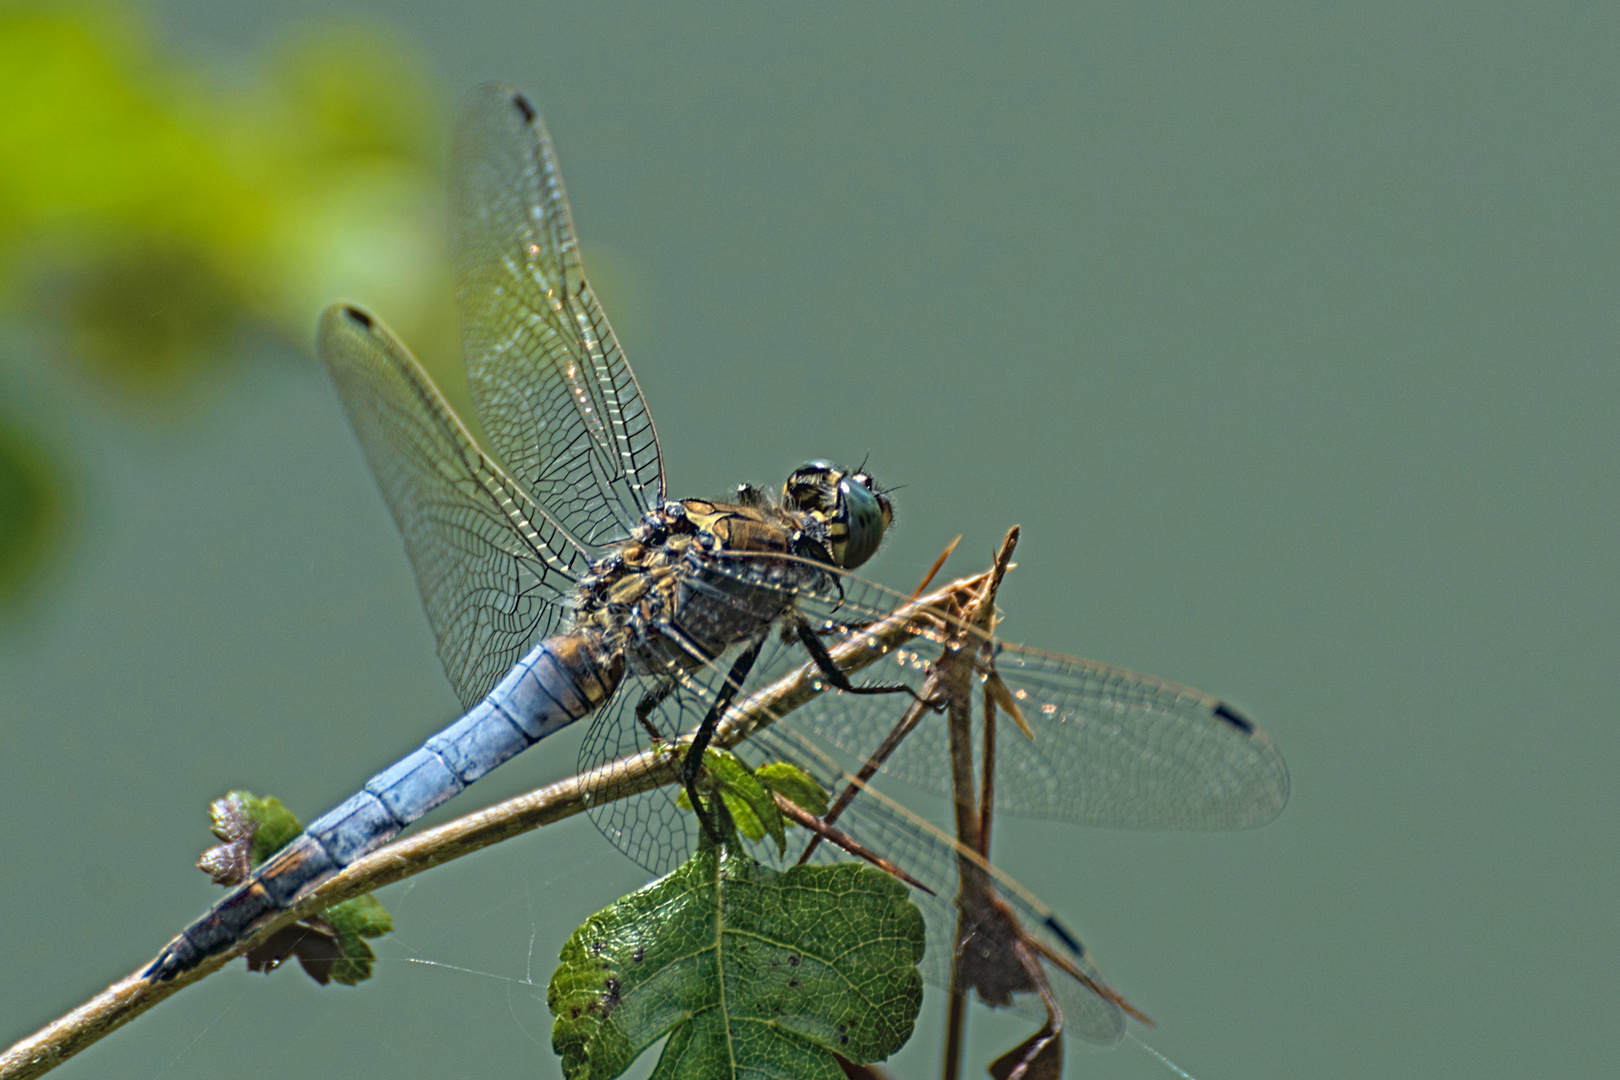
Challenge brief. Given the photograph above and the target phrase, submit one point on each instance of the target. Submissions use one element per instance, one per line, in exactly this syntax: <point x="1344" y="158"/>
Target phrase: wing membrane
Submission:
<point x="1111" y="747"/>
<point x="552" y="386"/>
<point x="494" y="573"/>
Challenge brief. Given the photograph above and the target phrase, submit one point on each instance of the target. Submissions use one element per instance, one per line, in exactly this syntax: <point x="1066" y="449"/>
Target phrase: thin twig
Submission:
<point x="955" y="1030"/>
<point x="823" y="831"/>
<point x="938" y="563"/>
<point x="130" y="997"/>
<point x="903" y="727"/>
<point x="956" y="667"/>
<point x="987" y="782"/>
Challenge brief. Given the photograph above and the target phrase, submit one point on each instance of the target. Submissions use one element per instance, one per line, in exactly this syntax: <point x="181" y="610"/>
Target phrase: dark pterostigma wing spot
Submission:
<point x="358" y="316"/>
<point x="524" y="107"/>
<point x="1235" y="718"/>
<point x="1063" y="934"/>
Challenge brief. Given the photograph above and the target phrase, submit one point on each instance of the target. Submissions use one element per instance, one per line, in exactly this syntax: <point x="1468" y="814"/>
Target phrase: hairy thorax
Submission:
<point x="676" y="593"/>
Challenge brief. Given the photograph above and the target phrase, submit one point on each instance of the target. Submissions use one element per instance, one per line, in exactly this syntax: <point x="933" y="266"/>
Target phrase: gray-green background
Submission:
<point x="1288" y="333"/>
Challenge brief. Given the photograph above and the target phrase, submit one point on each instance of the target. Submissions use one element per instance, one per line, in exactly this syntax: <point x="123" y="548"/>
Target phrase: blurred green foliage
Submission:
<point x="32" y="508"/>
<point x="153" y="213"/>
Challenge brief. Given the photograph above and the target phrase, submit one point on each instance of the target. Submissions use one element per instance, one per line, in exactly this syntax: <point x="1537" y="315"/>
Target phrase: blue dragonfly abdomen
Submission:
<point x="561" y="680"/>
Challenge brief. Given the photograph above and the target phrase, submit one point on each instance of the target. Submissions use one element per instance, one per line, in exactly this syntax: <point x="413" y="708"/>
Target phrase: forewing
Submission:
<point x="1110" y="747"/>
<point x="552" y="386"/>
<point x="495" y="575"/>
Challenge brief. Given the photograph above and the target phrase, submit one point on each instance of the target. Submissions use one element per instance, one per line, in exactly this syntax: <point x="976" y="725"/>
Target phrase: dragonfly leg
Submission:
<point x="650" y="701"/>
<point x="692" y="763"/>
<point x="824" y="661"/>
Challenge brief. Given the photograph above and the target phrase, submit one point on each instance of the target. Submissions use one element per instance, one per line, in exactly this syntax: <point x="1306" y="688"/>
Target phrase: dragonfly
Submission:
<point x="562" y="583"/>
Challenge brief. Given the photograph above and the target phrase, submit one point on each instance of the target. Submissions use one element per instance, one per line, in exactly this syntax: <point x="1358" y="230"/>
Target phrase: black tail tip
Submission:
<point x="174" y="959"/>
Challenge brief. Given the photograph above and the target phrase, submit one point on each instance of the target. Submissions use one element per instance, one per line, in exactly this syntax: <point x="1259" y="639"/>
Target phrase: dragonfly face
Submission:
<point x="850" y="511"/>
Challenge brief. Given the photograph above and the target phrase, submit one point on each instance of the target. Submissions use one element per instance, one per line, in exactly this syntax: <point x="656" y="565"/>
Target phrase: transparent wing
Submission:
<point x="1110" y="747"/>
<point x="552" y="387"/>
<point x="649" y="826"/>
<point x="494" y="573"/>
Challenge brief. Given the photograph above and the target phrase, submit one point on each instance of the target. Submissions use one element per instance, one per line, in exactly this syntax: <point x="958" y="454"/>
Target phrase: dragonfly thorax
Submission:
<point x="679" y="575"/>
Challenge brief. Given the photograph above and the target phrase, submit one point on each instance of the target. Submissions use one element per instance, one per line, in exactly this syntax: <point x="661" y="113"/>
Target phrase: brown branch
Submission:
<point x="837" y="837"/>
<point x="130" y="997"/>
<point x="902" y="728"/>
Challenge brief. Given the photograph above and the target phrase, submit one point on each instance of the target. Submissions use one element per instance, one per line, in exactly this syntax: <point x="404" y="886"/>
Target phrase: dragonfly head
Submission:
<point x="849" y="512"/>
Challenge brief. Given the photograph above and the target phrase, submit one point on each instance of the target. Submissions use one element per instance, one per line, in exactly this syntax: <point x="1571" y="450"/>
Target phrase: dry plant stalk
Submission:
<point x="955" y="676"/>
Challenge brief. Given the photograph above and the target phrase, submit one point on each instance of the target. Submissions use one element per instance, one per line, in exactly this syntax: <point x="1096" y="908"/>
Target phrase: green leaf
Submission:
<point x="748" y="971"/>
<point x="33" y="510"/>
<point x="330" y="945"/>
<point x="277" y="825"/>
<point x="753" y="811"/>
<point x="252" y="828"/>
<point x="795" y="785"/>
<point x="747" y="800"/>
<point x="353" y="921"/>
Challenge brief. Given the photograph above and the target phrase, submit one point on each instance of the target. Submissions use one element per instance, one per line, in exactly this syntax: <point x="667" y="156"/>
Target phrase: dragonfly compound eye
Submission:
<point x="865" y="514"/>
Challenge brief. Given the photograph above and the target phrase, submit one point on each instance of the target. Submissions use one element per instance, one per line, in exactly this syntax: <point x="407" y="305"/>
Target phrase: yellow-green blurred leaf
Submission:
<point x="158" y="213"/>
<point x="92" y="141"/>
<point x="148" y="315"/>
<point x="32" y="510"/>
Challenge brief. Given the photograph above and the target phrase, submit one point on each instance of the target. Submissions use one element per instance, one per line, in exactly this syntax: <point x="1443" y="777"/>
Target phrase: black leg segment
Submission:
<point x="824" y="661"/>
<point x="693" y="761"/>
